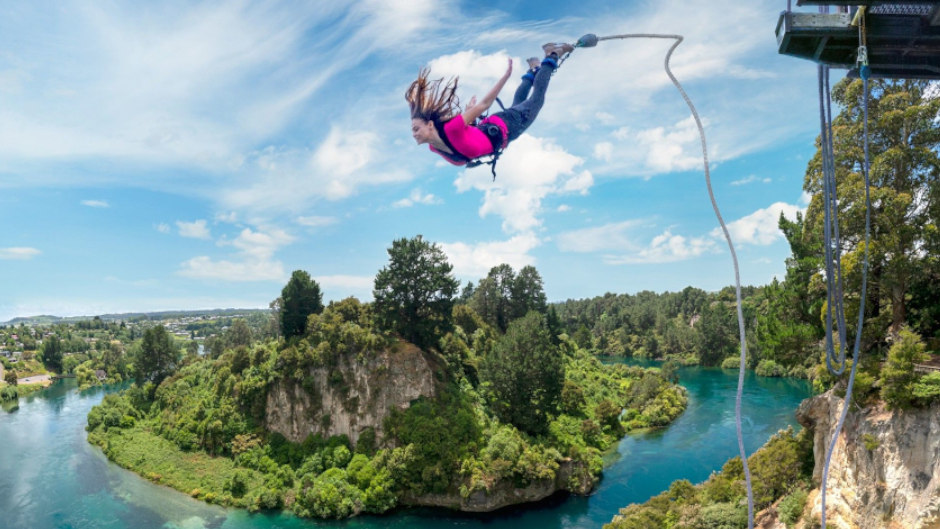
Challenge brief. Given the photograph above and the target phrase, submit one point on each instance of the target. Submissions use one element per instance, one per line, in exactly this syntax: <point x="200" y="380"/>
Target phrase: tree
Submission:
<point x="905" y="165"/>
<point x="9" y="376"/>
<point x="300" y="298"/>
<point x="157" y="357"/>
<point x="898" y="376"/>
<point x="51" y="353"/>
<point x="414" y="293"/>
<point x="239" y="334"/>
<point x="526" y="374"/>
<point x="528" y="292"/>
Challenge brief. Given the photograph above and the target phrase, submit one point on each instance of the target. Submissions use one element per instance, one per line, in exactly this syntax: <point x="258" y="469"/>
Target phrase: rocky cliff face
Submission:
<point x="572" y="476"/>
<point x="885" y="470"/>
<point x="353" y="395"/>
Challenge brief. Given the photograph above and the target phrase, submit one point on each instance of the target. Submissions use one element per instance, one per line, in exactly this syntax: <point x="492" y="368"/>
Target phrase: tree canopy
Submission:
<point x="300" y="298"/>
<point x="414" y="293"/>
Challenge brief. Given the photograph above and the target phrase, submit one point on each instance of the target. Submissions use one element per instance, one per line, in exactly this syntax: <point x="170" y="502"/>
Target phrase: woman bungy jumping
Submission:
<point x="458" y="137"/>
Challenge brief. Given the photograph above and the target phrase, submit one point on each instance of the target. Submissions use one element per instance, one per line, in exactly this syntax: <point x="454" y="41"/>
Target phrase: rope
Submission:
<point x="827" y="130"/>
<point x="734" y="258"/>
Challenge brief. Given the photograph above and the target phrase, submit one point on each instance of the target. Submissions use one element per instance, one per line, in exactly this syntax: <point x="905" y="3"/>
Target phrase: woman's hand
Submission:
<point x="474" y="109"/>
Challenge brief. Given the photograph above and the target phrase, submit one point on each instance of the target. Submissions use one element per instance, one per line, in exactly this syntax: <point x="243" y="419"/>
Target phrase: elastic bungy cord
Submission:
<point x="734" y="258"/>
<point x="827" y="130"/>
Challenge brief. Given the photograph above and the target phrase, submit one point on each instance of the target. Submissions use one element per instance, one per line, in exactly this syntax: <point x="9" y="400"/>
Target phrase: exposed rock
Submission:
<point x="355" y="394"/>
<point x="572" y="476"/>
<point x="885" y="469"/>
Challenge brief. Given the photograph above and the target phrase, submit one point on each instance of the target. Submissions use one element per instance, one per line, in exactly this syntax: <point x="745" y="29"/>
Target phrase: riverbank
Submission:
<point x="48" y="430"/>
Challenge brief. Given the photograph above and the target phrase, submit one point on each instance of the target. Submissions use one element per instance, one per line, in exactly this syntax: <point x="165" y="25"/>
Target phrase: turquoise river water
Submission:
<point x="50" y="477"/>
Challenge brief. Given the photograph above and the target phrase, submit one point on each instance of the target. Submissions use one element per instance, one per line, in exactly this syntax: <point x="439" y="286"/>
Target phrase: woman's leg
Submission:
<point x="521" y="115"/>
<point x="522" y="93"/>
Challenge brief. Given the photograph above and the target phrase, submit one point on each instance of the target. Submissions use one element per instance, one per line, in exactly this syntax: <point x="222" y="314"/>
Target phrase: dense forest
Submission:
<point x="500" y="334"/>
<point x="786" y="320"/>
<point x="519" y="399"/>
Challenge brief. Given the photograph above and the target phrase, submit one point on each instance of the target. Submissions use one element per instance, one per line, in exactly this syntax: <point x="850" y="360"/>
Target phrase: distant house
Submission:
<point x="101" y="375"/>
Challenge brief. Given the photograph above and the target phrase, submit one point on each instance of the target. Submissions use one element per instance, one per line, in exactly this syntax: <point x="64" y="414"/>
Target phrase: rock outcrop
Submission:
<point x="352" y="395"/>
<point x="572" y="476"/>
<point x="885" y="469"/>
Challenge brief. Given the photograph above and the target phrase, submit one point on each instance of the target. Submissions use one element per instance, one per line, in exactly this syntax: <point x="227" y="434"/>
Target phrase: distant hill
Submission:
<point x="132" y="316"/>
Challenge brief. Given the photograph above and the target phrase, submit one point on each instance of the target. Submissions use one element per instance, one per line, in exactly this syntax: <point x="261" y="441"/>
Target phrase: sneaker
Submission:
<point x="557" y="48"/>
<point x="533" y="63"/>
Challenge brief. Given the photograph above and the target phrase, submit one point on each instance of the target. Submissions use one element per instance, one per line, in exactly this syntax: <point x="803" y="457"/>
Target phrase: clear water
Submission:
<point x="50" y="477"/>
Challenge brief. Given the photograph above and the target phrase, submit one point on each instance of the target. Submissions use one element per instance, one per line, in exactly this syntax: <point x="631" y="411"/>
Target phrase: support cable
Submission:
<point x="831" y="202"/>
<point x="591" y="40"/>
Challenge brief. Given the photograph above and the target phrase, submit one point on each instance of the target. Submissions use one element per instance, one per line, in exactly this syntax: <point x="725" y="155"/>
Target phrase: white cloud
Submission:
<point x="416" y="197"/>
<point x="615" y="236"/>
<point x="193" y="230"/>
<point x="342" y="286"/>
<point x="531" y="169"/>
<point x="604" y="150"/>
<point x="19" y="253"/>
<point x="316" y="221"/>
<point x="666" y="248"/>
<point x="761" y="227"/>
<point x="675" y="149"/>
<point x="254" y="259"/>
<point x="95" y="203"/>
<point x="162" y="227"/>
<point x="563" y="208"/>
<point x="749" y="180"/>
<point x="475" y="260"/>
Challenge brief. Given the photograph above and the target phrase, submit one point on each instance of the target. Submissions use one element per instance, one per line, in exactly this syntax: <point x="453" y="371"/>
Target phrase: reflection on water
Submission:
<point x="50" y="477"/>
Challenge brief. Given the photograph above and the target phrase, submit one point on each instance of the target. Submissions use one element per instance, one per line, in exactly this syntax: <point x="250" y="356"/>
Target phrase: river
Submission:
<point x="50" y="477"/>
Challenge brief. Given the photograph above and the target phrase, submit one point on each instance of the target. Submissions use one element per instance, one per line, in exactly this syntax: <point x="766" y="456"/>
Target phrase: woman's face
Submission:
<point x="422" y="131"/>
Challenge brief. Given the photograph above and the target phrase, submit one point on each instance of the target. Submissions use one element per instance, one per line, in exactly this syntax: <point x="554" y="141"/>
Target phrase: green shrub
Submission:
<point x="871" y="442"/>
<point x="897" y="376"/>
<point x="927" y="388"/>
<point x="769" y="368"/>
<point x="723" y="516"/>
<point x="732" y="362"/>
<point x="791" y="507"/>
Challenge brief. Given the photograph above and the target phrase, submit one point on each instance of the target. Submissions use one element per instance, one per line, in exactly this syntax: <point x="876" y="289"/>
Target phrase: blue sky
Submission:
<point x="178" y="155"/>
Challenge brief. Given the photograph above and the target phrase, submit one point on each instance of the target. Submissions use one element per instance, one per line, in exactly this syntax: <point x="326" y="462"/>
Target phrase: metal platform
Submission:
<point x="903" y="37"/>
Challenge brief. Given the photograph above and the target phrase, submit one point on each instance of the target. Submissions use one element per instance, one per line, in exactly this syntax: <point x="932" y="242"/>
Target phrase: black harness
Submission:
<point x="492" y="132"/>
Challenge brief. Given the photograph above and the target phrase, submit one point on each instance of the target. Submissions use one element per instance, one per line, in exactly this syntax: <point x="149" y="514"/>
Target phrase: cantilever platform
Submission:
<point x="903" y="37"/>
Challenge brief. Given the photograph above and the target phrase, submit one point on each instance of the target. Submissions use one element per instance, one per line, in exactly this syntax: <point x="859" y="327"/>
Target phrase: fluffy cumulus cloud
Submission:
<point x="475" y="260"/>
<point x="343" y="162"/>
<point x="532" y="169"/>
<point x="193" y="230"/>
<point x="253" y="259"/>
<point x="416" y="197"/>
<point x="18" y="253"/>
<point x="761" y="227"/>
<point x="623" y="243"/>
<point x="667" y="248"/>
<point x="315" y="221"/>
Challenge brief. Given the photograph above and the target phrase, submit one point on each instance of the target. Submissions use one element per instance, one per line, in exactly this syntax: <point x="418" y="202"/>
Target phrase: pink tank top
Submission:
<point x="468" y="140"/>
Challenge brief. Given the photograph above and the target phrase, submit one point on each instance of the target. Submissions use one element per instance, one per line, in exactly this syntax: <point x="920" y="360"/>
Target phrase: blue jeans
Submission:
<point x="526" y="107"/>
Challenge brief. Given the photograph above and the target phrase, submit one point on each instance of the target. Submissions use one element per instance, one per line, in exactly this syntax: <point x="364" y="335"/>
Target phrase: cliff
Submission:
<point x="885" y="470"/>
<point x="354" y="394"/>
<point x="572" y="476"/>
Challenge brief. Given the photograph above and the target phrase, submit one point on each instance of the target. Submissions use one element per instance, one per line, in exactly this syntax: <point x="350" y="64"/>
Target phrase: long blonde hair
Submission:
<point x="431" y="101"/>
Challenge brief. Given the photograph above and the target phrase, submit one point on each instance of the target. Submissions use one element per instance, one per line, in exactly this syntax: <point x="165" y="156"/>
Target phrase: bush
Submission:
<point x="732" y="362"/>
<point x="723" y="516"/>
<point x="791" y="507"/>
<point x="769" y="368"/>
<point x="927" y="389"/>
<point x="898" y="375"/>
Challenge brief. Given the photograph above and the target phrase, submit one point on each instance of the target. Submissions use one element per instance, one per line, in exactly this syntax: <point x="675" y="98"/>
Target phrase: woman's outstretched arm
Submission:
<point x="475" y="110"/>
